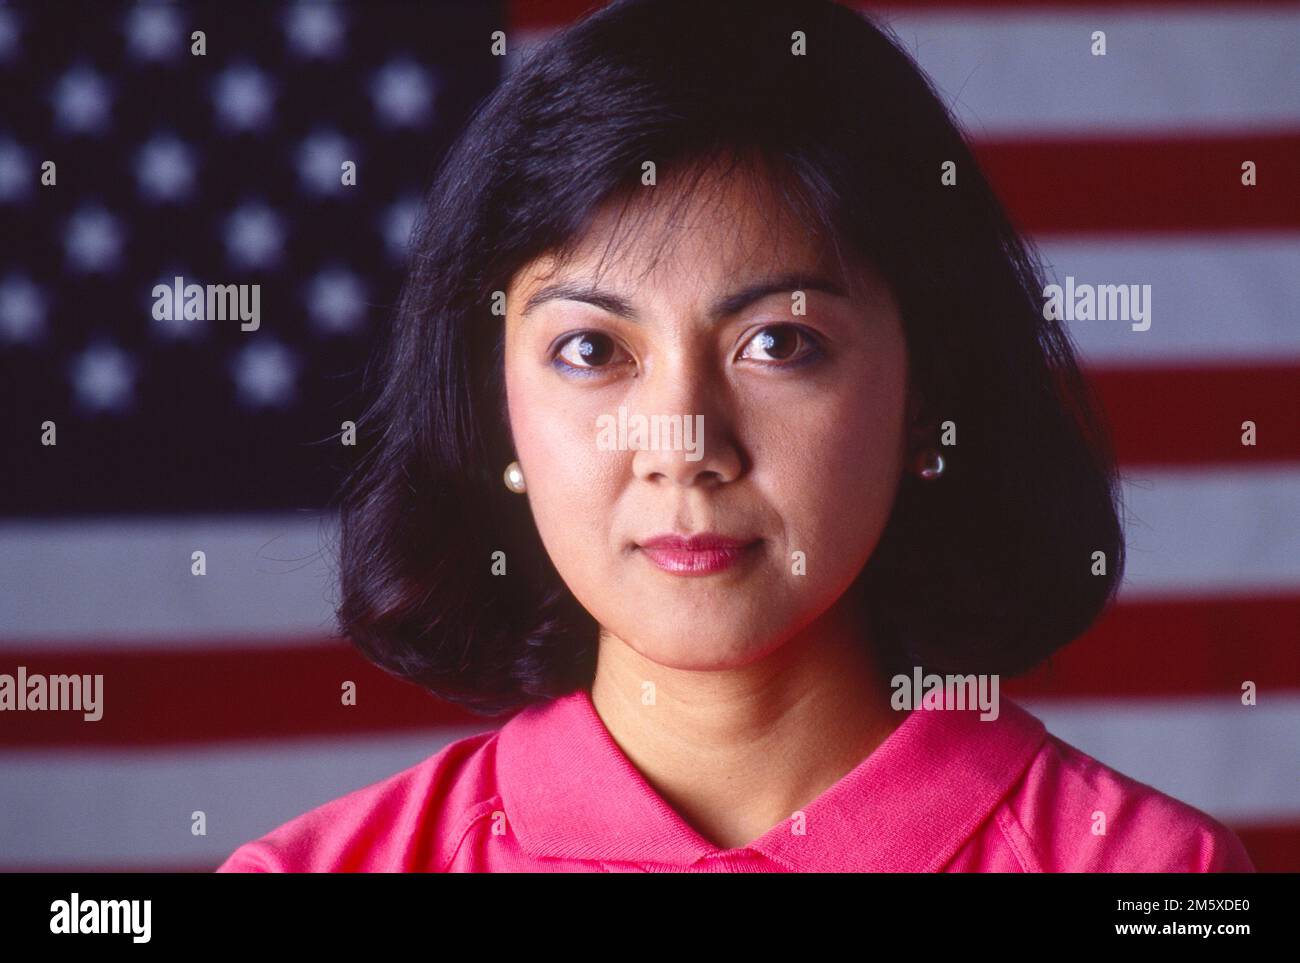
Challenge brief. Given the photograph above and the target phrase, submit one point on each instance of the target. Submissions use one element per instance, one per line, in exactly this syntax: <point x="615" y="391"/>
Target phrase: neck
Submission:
<point x="739" y="750"/>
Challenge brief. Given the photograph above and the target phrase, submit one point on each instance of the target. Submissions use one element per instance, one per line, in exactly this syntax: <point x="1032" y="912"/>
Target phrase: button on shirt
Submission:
<point x="550" y="791"/>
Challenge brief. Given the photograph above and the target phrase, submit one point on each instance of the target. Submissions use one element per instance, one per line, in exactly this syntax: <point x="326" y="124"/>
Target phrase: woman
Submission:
<point x="713" y="413"/>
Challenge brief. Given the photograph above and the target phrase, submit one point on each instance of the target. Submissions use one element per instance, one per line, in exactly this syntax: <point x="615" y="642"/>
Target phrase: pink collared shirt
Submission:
<point x="550" y="791"/>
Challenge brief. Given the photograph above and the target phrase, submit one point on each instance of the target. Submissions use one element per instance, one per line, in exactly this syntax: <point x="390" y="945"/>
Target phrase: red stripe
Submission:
<point x="1132" y="183"/>
<point x="1146" y="184"/>
<point x="1177" y="648"/>
<point x="550" y="14"/>
<point x="1143" y="649"/>
<point x="1273" y="849"/>
<point x="547" y="14"/>
<point x="1193" y="416"/>
<point x="216" y="694"/>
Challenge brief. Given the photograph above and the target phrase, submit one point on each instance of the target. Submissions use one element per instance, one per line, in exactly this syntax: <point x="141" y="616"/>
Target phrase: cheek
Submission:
<point x="570" y="481"/>
<point x="835" y="463"/>
<point x="862" y="443"/>
<point x="547" y="436"/>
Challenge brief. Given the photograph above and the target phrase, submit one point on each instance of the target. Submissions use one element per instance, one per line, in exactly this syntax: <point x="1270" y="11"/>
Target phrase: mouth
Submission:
<point x="702" y="554"/>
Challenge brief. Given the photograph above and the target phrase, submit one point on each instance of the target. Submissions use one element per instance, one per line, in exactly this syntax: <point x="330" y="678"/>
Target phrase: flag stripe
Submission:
<point x="1169" y="67"/>
<point x="126" y="584"/>
<point x="1236" y="762"/>
<point x="1220" y="531"/>
<point x="212" y="694"/>
<point x="1032" y="72"/>
<point x="127" y="581"/>
<point x="1188" y="417"/>
<point x="242" y="791"/>
<point x="1146" y="185"/>
<point x="1205" y="752"/>
<point x="1213" y="302"/>
<point x="547" y="15"/>
<point x="1169" y="648"/>
<point x="1273" y="848"/>
<point x="206" y="866"/>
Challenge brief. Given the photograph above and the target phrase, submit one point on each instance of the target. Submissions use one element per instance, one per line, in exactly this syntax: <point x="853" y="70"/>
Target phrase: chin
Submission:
<point x="700" y="646"/>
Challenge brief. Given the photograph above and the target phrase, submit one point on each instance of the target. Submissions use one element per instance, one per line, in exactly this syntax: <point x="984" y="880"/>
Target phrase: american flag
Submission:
<point x="221" y="693"/>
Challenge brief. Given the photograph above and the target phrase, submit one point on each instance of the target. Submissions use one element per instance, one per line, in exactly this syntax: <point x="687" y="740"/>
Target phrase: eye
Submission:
<point x="587" y="350"/>
<point x="779" y="344"/>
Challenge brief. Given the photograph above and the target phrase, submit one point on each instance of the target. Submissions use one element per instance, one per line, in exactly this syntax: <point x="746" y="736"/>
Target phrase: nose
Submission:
<point x="693" y="411"/>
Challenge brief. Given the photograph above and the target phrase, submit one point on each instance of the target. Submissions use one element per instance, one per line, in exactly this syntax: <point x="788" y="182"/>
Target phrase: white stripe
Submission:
<point x="1237" y="763"/>
<point x="127" y="584"/>
<point x="120" y="807"/>
<point x="130" y="581"/>
<point x="1213" y="301"/>
<point x="1211" y="532"/>
<point x="1014" y="73"/>
<point x="1009" y="73"/>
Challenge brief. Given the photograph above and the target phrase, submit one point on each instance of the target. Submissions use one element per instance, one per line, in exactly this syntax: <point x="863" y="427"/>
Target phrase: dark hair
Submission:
<point x="986" y="570"/>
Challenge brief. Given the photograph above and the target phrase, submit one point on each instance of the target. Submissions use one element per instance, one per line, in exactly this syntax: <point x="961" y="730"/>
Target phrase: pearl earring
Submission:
<point x="929" y="464"/>
<point x="515" y="478"/>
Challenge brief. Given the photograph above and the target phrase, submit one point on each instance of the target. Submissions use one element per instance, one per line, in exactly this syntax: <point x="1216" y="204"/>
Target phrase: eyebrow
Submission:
<point x="588" y="293"/>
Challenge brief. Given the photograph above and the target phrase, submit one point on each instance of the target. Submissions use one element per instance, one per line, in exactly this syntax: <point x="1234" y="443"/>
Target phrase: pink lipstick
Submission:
<point x="702" y="554"/>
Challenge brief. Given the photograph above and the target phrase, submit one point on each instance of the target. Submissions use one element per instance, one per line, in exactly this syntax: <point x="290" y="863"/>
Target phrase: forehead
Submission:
<point x="702" y="230"/>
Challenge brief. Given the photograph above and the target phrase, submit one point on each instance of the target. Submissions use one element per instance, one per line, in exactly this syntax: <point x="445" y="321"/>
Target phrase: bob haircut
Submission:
<point x="987" y="570"/>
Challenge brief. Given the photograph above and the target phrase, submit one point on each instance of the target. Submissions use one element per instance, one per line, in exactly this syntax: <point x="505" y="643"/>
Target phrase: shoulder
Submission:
<point x="410" y="821"/>
<point x="1072" y="813"/>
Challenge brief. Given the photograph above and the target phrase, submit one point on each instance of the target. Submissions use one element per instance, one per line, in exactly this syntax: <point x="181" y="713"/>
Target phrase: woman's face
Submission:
<point x="800" y="416"/>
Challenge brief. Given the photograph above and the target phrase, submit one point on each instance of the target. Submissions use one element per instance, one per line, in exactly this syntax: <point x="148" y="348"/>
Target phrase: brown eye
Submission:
<point x="590" y="349"/>
<point x="778" y="342"/>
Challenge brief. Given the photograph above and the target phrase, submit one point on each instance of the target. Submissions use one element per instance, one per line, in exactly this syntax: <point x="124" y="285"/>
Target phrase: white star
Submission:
<point x="336" y="300"/>
<point x="16" y="172"/>
<point x="398" y="222"/>
<point x="93" y="240"/>
<point x="153" y="32"/>
<point x="22" y="309"/>
<point x="320" y="162"/>
<point x="315" y="29"/>
<point x="102" y="378"/>
<point x="9" y="31"/>
<point x="165" y="168"/>
<point x="254" y="236"/>
<point x="403" y="92"/>
<point x="179" y="327"/>
<point x="264" y="373"/>
<point x="243" y="97"/>
<point x="81" y="101"/>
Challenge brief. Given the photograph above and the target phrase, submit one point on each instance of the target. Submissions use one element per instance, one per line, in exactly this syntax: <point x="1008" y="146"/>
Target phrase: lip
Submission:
<point x="704" y="553"/>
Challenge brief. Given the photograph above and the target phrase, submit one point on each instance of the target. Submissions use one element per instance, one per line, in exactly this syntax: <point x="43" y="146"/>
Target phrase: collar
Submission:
<point x="569" y="792"/>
